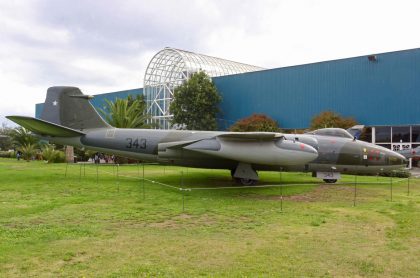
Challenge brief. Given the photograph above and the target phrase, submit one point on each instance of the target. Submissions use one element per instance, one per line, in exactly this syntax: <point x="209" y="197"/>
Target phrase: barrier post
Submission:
<point x="391" y="187"/>
<point x="408" y="186"/>
<point x="144" y="192"/>
<point x="80" y="173"/>
<point x="183" y="200"/>
<point x="118" y="177"/>
<point x="65" y="174"/>
<point x="281" y="191"/>
<point x="355" y="184"/>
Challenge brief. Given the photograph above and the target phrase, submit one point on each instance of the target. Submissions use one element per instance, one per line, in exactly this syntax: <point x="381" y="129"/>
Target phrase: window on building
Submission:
<point x="366" y="134"/>
<point x="388" y="146"/>
<point x="383" y="134"/>
<point x="400" y="134"/>
<point x="415" y="133"/>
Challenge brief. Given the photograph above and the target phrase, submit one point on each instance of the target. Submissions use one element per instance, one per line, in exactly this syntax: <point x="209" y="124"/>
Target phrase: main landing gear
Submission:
<point x="244" y="174"/>
<point x="330" y="180"/>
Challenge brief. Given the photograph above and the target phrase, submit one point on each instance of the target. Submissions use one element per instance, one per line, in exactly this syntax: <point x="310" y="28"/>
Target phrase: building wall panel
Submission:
<point x="382" y="92"/>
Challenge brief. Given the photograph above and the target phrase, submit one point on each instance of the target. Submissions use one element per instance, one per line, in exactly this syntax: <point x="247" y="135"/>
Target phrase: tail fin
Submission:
<point x="69" y="107"/>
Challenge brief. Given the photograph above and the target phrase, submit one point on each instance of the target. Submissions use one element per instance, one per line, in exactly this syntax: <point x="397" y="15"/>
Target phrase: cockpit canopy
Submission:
<point x="335" y="132"/>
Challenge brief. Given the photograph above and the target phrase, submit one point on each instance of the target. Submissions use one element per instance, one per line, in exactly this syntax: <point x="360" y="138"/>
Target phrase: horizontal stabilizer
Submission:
<point x="44" y="128"/>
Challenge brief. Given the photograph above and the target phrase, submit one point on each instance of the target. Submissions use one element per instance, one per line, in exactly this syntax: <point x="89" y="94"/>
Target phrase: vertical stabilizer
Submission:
<point x="68" y="106"/>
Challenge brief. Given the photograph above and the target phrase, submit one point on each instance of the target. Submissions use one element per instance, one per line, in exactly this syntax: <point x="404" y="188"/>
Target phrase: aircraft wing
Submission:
<point x="251" y="135"/>
<point x="267" y="148"/>
<point x="213" y="144"/>
<point x="44" y="128"/>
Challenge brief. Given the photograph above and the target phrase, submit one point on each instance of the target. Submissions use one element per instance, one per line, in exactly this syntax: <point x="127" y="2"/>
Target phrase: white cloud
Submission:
<point x="104" y="46"/>
<point x="295" y="32"/>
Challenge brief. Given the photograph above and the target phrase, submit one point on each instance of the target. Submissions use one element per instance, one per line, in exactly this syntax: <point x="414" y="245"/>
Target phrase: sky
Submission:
<point x="105" y="46"/>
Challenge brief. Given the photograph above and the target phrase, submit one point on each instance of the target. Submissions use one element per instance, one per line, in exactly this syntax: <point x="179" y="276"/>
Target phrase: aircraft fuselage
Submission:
<point x="334" y="154"/>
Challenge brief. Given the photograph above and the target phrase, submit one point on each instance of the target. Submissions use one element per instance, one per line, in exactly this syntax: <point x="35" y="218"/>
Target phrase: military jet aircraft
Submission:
<point x="68" y="118"/>
<point x="410" y="153"/>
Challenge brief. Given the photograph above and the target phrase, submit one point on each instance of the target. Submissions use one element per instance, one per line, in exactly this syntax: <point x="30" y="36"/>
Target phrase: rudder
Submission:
<point x="69" y="107"/>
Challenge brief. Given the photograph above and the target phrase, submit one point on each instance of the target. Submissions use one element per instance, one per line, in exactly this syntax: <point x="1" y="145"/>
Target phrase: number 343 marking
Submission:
<point x="136" y="143"/>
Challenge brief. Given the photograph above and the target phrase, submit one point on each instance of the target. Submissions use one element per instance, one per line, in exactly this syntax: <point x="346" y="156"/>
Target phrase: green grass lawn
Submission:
<point x="52" y="224"/>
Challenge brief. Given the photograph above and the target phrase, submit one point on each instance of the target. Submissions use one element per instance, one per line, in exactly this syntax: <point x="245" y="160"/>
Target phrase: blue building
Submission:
<point x="381" y="91"/>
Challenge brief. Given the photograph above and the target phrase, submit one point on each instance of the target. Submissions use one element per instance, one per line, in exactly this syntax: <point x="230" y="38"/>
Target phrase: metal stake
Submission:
<point x="391" y="188"/>
<point x="183" y="200"/>
<point x="355" y="184"/>
<point x="144" y="192"/>
<point x="118" y="178"/>
<point x="67" y="165"/>
<point x="281" y="192"/>
<point x="182" y="179"/>
<point x="97" y="173"/>
<point x="408" y="186"/>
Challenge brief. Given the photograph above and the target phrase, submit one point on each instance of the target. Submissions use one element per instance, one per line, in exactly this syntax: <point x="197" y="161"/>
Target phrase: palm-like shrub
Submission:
<point x="52" y="155"/>
<point x="21" y="136"/>
<point x="28" y="151"/>
<point x="126" y="113"/>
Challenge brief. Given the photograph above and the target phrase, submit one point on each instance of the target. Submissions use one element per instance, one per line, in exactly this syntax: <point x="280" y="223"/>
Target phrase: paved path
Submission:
<point x="415" y="172"/>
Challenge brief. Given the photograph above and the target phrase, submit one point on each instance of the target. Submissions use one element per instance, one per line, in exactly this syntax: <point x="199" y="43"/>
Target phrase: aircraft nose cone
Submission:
<point x="397" y="159"/>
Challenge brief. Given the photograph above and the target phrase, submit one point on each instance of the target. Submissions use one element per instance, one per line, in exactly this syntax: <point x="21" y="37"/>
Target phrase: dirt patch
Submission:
<point x="321" y="193"/>
<point x="324" y="193"/>
<point x="184" y="220"/>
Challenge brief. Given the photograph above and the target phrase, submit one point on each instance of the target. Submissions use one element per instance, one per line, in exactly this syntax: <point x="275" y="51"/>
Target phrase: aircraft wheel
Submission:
<point x="330" y="180"/>
<point x="246" y="181"/>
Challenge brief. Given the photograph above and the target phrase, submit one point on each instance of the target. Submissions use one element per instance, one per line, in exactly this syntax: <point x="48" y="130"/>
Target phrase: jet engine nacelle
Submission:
<point x="268" y="152"/>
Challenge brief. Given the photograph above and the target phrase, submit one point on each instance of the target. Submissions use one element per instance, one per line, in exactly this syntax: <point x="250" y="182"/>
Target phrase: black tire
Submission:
<point x="330" y="180"/>
<point x="246" y="181"/>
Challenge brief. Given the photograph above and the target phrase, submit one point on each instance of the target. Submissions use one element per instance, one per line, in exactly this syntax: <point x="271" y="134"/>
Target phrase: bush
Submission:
<point x="7" y="154"/>
<point x="61" y="157"/>
<point x="28" y="151"/>
<point x="396" y="174"/>
<point x="255" y="122"/>
<point x="52" y="155"/>
<point x="331" y="119"/>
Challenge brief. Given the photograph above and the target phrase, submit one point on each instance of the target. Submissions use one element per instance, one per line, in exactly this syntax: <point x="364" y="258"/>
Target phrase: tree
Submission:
<point x="255" y="122"/>
<point x="331" y="119"/>
<point x="5" y="140"/>
<point x="126" y="113"/>
<point x="195" y="103"/>
<point x="21" y="136"/>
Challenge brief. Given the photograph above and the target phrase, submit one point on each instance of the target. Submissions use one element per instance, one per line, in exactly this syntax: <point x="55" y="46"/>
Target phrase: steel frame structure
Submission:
<point x="170" y="67"/>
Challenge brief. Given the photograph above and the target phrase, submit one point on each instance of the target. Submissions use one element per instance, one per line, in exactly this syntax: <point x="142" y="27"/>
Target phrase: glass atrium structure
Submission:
<point x="170" y="67"/>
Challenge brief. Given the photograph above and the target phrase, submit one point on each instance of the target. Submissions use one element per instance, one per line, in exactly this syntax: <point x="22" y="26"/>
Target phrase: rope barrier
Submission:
<point x="237" y="187"/>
